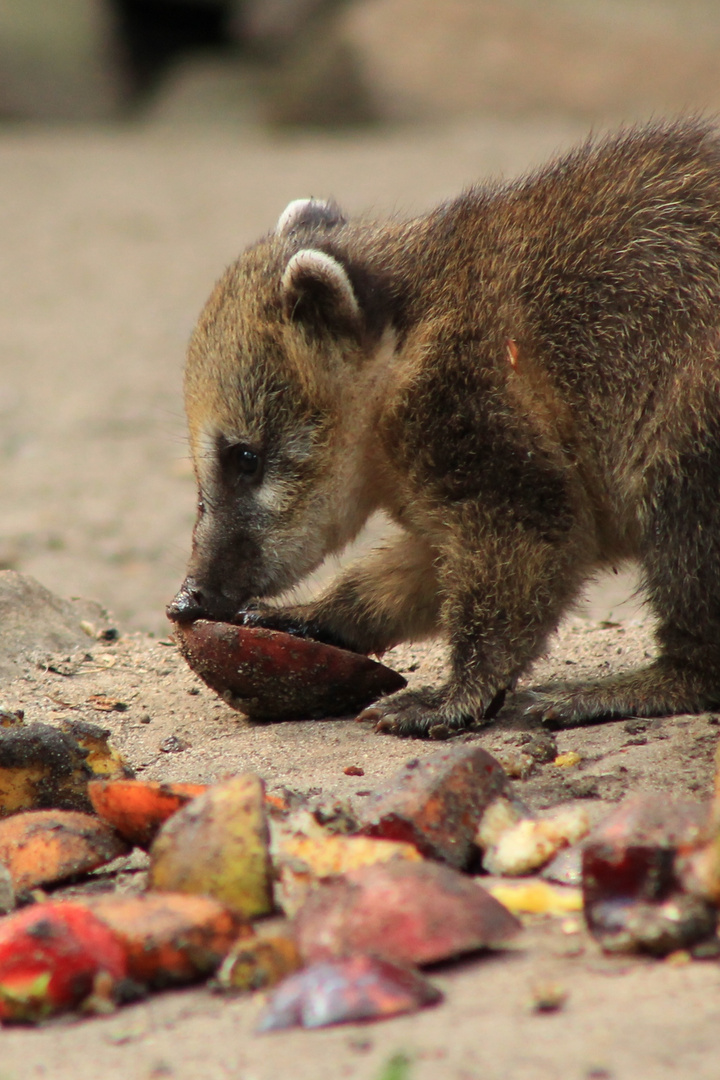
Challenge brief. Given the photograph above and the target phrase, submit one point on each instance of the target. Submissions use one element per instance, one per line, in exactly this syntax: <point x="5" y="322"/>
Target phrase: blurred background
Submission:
<point x="143" y="143"/>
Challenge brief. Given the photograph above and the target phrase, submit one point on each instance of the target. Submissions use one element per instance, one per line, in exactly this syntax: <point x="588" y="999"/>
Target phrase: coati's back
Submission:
<point x="619" y="253"/>
<point x="613" y="249"/>
<point x="604" y="268"/>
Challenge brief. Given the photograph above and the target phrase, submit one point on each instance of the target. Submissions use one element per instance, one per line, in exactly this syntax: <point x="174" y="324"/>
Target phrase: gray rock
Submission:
<point x="34" y="623"/>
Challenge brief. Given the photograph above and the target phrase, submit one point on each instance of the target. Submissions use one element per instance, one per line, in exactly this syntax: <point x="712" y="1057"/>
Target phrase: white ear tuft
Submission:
<point x="314" y="278"/>
<point x="306" y="213"/>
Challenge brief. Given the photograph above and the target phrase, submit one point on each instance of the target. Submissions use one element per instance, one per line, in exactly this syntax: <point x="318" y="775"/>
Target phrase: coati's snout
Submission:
<point x="227" y="569"/>
<point x="208" y="593"/>
<point x="196" y="601"/>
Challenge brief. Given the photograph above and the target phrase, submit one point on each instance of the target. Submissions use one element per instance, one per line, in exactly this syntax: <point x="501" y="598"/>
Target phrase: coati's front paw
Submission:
<point x="289" y="622"/>
<point x="421" y="713"/>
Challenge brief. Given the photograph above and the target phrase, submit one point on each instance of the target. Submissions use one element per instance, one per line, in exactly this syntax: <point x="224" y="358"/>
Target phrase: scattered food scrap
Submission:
<point x="698" y="864"/>
<point x="437" y="803"/>
<point x="258" y="963"/>
<point x="170" y="938"/>
<point x="568" y="759"/>
<point x="528" y="844"/>
<point x="372" y="893"/>
<point x="43" y="767"/>
<point x="50" y="956"/>
<point x="517" y="764"/>
<point x="305" y="853"/>
<point x="566" y="867"/>
<point x="535" y="897"/>
<point x="634" y="898"/>
<point x="102" y="759"/>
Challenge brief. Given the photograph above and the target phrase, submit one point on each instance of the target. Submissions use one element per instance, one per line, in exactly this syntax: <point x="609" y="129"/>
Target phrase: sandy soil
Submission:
<point x="110" y="242"/>
<point x="623" y="1017"/>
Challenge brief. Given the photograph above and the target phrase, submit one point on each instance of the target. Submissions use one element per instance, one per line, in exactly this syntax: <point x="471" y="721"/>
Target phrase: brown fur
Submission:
<point x="527" y="380"/>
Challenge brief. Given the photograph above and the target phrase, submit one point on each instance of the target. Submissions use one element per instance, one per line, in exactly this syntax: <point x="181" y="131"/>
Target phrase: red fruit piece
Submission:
<point x="346" y="991"/>
<point x="270" y="675"/>
<point x="632" y="896"/>
<point x="408" y="913"/>
<point x="631" y="852"/>
<point x="437" y="803"/>
<point x="50" y="956"/>
<point x="137" y="808"/>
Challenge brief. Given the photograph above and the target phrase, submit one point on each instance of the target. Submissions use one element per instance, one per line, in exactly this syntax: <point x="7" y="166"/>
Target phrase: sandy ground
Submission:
<point x="110" y="242"/>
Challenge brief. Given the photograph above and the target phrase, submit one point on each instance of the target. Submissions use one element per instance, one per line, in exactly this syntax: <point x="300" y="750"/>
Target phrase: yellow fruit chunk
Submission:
<point x="103" y="760"/>
<point x="536" y="897"/>
<point x="217" y="846"/>
<point x="532" y="842"/>
<point x="44" y="767"/>
<point x="304" y="859"/>
<point x="258" y="963"/>
<point x="566" y="760"/>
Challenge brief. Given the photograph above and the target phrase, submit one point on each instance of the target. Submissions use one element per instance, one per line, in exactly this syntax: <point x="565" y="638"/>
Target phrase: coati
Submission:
<point x="527" y="379"/>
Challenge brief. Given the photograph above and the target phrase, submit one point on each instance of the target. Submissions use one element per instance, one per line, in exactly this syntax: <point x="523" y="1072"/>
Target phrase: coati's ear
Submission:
<point x="308" y="214"/>
<point x="318" y="292"/>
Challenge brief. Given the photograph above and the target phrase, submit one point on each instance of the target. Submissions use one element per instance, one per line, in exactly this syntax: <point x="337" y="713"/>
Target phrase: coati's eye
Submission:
<point x="238" y="462"/>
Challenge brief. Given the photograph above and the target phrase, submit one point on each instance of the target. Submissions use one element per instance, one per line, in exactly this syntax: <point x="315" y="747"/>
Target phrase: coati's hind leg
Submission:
<point x="681" y="564"/>
<point x="663" y="688"/>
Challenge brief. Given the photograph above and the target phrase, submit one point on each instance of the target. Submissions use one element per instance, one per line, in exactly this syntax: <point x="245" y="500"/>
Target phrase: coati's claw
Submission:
<point x="369" y="715"/>
<point x="262" y="615"/>
<point x="547" y="715"/>
<point x="439" y="731"/>
<point x="256" y="614"/>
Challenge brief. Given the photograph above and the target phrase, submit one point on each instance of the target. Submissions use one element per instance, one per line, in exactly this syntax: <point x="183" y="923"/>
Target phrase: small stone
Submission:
<point x="546" y="995"/>
<point x="173" y="745"/>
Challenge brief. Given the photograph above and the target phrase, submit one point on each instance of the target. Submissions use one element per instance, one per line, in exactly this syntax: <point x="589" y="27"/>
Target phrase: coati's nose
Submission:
<point x="191" y="602"/>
